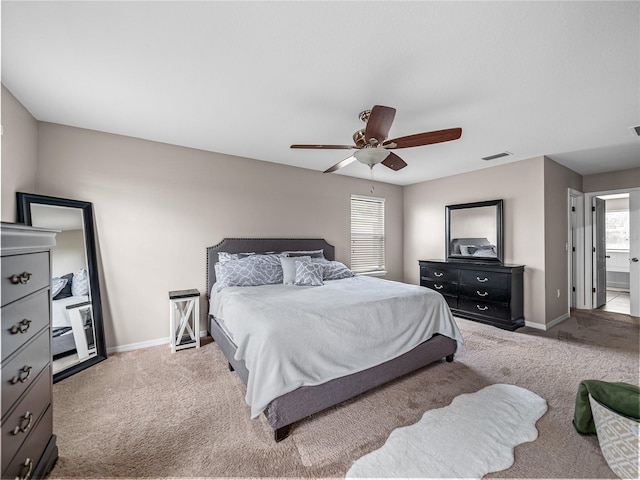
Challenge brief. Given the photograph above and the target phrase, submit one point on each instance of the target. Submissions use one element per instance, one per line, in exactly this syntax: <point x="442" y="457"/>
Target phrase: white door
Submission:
<point x="599" y="253"/>
<point x="634" y="251"/>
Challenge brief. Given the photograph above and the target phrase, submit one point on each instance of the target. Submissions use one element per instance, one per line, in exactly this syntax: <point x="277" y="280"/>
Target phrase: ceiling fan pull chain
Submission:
<point x="372" y="187"/>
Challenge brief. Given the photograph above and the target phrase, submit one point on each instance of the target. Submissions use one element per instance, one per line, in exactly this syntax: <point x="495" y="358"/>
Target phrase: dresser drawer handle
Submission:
<point x="482" y="294"/>
<point x="438" y="274"/>
<point x="21" y="327"/>
<point x="482" y="309"/>
<point x="20" y="378"/>
<point x="482" y="280"/>
<point x="438" y="287"/>
<point x="29" y="464"/>
<point x="23" y="278"/>
<point x="28" y="416"/>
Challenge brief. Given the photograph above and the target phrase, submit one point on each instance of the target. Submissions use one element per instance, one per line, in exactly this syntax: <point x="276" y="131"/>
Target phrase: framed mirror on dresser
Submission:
<point x="473" y="278"/>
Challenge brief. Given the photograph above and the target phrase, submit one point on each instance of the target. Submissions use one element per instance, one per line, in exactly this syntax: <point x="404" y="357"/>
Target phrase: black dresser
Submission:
<point x="28" y="444"/>
<point x="484" y="292"/>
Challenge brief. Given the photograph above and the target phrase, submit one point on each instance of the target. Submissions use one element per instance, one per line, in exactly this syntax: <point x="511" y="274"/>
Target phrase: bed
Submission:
<point x="308" y="396"/>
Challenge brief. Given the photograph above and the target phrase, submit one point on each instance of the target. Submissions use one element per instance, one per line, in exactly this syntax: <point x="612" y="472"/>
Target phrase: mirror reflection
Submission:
<point x="474" y="231"/>
<point x="77" y="335"/>
<point x="72" y="329"/>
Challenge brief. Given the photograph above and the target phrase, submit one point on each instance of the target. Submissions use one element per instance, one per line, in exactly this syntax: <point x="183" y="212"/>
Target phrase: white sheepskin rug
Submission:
<point x="473" y="436"/>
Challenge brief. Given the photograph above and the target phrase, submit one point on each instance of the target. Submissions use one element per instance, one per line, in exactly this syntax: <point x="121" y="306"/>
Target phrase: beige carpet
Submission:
<point x="150" y="413"/>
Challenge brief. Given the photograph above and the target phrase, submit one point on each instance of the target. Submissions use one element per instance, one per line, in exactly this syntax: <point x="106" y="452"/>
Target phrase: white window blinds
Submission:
<point x="367" y="234"/>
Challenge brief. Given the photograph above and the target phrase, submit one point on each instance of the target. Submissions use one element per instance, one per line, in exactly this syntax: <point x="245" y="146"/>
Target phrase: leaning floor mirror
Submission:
<point x="77" y="330"/>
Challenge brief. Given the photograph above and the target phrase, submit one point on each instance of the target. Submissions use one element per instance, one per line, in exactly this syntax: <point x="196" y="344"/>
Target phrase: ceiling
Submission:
<point x="250" y="78"/>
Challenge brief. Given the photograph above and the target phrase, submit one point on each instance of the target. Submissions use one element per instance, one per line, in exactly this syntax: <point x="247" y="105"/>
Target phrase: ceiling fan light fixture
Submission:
<point x="371" y="155"/>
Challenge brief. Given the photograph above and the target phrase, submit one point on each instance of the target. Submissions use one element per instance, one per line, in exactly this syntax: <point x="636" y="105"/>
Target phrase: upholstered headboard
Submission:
<point x="262" y="245"/>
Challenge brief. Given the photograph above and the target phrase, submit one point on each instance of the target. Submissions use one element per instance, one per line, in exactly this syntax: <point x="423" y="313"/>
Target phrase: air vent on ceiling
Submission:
<point x="497" y="155"/>
<point x="635" y="130"/>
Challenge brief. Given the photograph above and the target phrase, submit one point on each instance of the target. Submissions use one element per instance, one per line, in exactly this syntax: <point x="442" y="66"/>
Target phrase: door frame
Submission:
<point x="588" y="241"/>
<point x="575" y="236"/>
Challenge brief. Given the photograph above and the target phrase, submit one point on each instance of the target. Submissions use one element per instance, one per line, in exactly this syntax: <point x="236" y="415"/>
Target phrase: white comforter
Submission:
<point x="290" y="336"/>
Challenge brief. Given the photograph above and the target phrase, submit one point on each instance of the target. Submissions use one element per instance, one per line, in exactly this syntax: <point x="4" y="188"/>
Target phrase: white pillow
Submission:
<point x="80" y="283"/>
<point x="289" y="268"/>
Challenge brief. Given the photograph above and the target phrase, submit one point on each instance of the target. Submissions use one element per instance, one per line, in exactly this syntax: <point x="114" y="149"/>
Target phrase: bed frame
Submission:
<point x="284" y="411"/>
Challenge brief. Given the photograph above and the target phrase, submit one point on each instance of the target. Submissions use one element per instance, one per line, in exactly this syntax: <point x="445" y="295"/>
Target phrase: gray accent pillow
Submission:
<point x="226" y="257"/>
<point x="336" y="271"/>
<point x="485" y="251"/>
<point x="308" y="273"/>
<point x="57" y="284"/>
<point x="289" y="268"/>
<point x="66" y="290"/>
<point x="80" y="283"/>
<point x="304" y="253"/>
<point x="249" y="271"/>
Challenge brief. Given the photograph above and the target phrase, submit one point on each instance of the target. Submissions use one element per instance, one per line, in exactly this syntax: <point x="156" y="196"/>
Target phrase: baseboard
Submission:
<point x="553" y="323"/>
<point x="147" y="344"/>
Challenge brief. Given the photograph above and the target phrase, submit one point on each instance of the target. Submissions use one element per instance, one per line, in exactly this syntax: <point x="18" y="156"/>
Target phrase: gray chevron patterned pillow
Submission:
<point x="308" y="273"/>
<point x="249" y="271"/>
<point x="336" y="271"/>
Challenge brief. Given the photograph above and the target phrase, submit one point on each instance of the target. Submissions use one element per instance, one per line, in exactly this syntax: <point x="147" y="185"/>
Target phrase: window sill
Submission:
<point x="377" y="273"/>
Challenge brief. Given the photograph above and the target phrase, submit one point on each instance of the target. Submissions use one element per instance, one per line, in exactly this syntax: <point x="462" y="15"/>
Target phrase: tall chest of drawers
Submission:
<point x="28" y="444"/>
<point x="487" y="293"/>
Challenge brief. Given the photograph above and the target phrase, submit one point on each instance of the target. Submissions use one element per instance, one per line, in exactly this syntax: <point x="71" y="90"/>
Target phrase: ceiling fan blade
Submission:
<point x="394" y="162"/>
<point x="379" y="123"/>
<point x="426" y="138"/>
<point x="326" y="147"/>
<point x="341" y="164"/>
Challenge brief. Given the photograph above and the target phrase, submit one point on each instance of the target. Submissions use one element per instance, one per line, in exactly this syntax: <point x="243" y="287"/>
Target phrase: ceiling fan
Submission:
<point x="372" y="146"/>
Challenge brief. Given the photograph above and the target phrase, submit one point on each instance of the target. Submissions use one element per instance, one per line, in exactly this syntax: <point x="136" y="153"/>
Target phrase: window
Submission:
<point x="617" y="225"/>
<point x="367" y="234"/>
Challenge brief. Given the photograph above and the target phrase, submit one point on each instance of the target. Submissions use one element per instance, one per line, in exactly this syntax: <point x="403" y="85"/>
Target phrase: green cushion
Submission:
<point x="622" y="398"/>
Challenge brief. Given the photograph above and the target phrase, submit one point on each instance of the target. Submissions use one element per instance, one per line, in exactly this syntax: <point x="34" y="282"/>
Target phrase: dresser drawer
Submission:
<point x="441" y="287"/>
<point x="18" y="425"/>
<point x="481" y="307"/>
<point x="484" y="278"/>
<point x="22" y="320"/>
<point x="433" y="272"/>
<point x="31" y="271"/>
<point x="25" y="461"/>
<point x="452" y="300"/>
<point x="20" y="372"/>
<point x="484" y="293"/>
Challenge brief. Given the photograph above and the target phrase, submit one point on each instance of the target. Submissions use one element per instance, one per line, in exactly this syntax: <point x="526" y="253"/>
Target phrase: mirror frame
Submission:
<point x="499" y="258"/>
<point x="25" y="200"/>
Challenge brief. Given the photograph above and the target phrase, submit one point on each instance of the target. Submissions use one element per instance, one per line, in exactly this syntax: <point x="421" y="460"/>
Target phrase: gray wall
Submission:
<point x="157" y="207"/>
<point x="19" y="153"/>
<point x="520" y="185"/>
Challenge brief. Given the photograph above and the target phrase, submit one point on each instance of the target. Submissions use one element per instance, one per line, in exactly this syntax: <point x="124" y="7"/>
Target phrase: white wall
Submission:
<point x="157" y="207"/>
<point x="69" y="254"/>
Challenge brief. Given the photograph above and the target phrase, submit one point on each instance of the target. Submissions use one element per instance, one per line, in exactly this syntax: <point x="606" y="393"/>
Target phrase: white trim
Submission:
<point x="578" y="240"/>
<point x="149" y="343"/>
<point x="377" y="273"/>
<point x="553" y="323"/>
<point x="588" y="237"/>
<point x="367" y="197"/>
